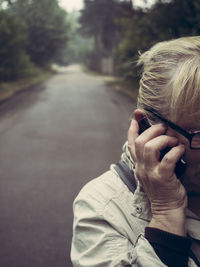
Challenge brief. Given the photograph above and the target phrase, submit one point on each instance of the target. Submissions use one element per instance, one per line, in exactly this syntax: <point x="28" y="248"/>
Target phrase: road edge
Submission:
<point x="14" y="88"/>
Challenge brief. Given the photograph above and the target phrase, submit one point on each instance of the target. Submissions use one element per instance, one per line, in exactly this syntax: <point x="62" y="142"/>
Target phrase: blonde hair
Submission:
<point x="170" y="80"/>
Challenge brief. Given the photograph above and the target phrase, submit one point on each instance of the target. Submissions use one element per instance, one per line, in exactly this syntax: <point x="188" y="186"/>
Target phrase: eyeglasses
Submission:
<point x="193" y="137"/>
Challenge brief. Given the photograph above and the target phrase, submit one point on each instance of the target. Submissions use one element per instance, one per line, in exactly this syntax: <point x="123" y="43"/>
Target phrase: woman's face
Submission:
<point x="191" y="177"/>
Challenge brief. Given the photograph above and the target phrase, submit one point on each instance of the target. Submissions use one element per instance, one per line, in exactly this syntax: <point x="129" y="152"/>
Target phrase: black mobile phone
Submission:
<point x="180" y="165"/>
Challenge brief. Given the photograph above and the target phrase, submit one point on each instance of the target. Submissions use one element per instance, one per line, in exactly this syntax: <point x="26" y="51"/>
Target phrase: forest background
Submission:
<point x="34" y="34"/>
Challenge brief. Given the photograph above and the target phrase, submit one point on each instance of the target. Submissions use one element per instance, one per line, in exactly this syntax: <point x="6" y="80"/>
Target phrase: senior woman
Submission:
<point x="157" y="223"/>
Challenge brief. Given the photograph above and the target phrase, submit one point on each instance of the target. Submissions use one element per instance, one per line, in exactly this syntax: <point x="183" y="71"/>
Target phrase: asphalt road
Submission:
<point x="53" y="139"/>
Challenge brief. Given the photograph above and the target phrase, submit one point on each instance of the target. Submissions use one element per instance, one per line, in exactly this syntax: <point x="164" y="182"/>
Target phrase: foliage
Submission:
<point x="121" y="30"/>
<point x="13" y="38"/>
<point x="78" y="46"/>
<point x="39" y="31"/>
<point x="99" y="20"/>
<point x="163" y="21"/>
<point x="32" y="32"/>
<point x="47" y="27"/>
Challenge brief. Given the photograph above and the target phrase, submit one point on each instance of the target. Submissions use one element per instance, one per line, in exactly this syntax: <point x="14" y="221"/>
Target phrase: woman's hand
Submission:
<point x="166" y="193"/>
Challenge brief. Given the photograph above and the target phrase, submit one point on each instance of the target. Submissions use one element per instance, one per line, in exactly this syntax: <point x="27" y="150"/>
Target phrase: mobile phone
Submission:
<point x="180" y="165"/>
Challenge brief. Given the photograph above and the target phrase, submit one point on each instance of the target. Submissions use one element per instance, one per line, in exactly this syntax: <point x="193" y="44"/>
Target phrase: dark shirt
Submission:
<point x="173" y="250"/>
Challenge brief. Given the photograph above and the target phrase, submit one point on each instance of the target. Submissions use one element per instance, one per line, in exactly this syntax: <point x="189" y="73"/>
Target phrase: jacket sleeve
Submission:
<point x="97" y="243"/>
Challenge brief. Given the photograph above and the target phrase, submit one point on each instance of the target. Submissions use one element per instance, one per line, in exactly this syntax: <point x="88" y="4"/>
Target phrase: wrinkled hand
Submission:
<point x="166" y="193"/>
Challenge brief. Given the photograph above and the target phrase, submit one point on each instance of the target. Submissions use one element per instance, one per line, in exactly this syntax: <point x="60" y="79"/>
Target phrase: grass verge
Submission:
<point x="8" y="89"/>
<point x="127" y="86"/>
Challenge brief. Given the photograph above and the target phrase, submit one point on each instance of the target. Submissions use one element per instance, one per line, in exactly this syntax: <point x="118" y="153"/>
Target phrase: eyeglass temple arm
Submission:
<point x="171" y="124"/>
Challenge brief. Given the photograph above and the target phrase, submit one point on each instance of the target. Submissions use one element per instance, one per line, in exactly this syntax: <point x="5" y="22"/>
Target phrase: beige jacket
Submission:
<point x="109" y="223"/>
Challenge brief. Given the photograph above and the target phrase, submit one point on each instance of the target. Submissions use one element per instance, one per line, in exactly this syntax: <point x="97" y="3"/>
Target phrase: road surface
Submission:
<point x="53" y="139"/>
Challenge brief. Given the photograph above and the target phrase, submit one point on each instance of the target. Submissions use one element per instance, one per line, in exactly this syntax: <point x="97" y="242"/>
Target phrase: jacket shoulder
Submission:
<point x="102" y="189"/>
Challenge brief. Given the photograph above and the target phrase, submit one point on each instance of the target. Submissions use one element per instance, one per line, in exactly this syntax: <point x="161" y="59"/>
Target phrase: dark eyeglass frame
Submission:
<point x="188" y="135"/>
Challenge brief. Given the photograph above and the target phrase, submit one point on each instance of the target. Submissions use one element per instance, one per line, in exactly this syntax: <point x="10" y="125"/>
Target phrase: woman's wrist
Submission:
<point x="172" y="221"/>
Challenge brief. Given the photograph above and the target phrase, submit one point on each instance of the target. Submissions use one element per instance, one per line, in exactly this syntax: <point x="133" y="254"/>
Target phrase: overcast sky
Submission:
<point x="71" y="5"/>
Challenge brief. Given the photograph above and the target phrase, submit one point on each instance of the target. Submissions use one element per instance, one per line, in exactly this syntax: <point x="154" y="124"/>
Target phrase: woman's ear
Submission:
<point x="139" y="114"/>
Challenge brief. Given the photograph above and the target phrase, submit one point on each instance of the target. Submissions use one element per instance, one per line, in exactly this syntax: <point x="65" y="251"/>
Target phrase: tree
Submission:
<point x="47" y="28"/>
<point x="78" y="46"/>
<point x="163" y="21"/>
<point x="14" y="62"/>
<point x="98" y="20"/>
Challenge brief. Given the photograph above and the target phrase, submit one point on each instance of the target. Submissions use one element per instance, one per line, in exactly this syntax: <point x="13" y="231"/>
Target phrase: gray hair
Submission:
<point x="170" y="79"/>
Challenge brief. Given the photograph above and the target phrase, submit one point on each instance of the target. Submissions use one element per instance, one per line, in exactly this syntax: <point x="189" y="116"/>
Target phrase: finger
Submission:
<point x="168" y="163"/>
<point x="151" y="133"/>
<point x="133" y="132"/>
<point x="153" y="148"/>
<point x="132" y="135"/>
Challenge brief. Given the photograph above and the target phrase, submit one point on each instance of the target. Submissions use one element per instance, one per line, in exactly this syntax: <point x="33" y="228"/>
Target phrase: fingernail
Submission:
<point x="132" y="123"/>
